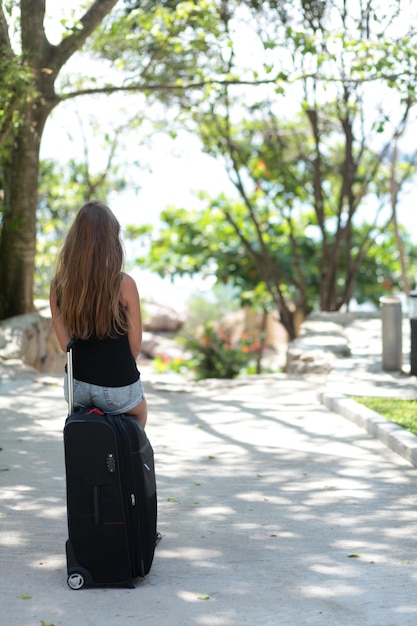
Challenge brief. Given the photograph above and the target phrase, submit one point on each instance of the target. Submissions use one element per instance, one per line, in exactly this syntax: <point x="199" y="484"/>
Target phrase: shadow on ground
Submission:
<point x="273" y="511"/>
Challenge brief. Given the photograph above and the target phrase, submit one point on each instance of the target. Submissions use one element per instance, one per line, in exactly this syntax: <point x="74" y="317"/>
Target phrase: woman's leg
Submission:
<point x="140" y="411"/>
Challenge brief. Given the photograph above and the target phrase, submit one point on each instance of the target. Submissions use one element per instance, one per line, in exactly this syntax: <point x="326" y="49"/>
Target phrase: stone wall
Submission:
<point x="31" y="340"/>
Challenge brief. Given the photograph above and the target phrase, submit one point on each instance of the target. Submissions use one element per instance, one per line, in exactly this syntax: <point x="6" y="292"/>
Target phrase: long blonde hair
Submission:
<point x="88" y="277"/>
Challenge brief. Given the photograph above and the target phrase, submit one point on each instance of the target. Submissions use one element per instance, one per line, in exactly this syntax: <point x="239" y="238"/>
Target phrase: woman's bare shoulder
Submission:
<point x="128" y="280"/>
<point x="128" y="287"/>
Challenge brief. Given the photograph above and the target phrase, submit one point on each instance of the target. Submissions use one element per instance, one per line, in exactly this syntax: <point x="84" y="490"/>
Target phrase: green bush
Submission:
<point x="164" y="363"/>
<point x="216" y="355"/>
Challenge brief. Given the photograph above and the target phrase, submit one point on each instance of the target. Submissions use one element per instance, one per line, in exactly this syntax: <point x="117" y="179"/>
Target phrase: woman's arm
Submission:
<point x="62" y="335"/>
<point x="129" y="297"/>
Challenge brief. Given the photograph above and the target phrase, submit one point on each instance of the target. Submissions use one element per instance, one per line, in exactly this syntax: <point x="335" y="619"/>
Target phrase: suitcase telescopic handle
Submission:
<point x="70" y="377"/>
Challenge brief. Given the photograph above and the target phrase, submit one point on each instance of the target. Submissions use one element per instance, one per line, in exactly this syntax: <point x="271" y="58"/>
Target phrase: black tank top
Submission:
<point x="105" y="362"/>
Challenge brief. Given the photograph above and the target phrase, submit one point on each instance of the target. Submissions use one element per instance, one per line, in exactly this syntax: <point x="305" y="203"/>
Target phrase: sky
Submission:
<point x="165" y="171"/>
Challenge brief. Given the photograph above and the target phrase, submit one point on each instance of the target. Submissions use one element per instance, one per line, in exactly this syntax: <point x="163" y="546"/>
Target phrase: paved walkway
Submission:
<point x="274" y="509"/>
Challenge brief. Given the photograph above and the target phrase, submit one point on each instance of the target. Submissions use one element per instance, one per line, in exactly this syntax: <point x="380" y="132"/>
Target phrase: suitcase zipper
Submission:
<point x="134" y="541"/>
<point x="96" y="504"/>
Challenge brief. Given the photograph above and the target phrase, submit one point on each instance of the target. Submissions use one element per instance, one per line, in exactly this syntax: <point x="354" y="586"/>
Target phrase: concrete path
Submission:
<point x="274" y="511"/>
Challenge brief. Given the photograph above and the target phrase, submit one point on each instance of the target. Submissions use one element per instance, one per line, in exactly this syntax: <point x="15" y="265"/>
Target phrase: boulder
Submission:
<point x="320" y="342"/>
<point x="158" y="318"/>
<point x="31" y="339"/>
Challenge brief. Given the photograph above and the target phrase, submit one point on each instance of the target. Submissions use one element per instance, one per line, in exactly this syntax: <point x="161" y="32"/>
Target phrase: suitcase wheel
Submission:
<point x="76" y="580"/>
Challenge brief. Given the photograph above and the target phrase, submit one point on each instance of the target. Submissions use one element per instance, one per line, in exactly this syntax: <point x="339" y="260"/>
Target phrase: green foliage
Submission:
<point x="148" y="5"/>
<point x="163" y="364"/>
<point x="379" y="273"/>
<point x="305" y="150"/>
<point x="16" y="90"/>
<point x="161" y="44"/>
<point x="203" y="242"/>
<point x="217" y="354"/>
<point x="211" y="346"/>
<point x="312" y="181"/>
<point x="401" y="412"/>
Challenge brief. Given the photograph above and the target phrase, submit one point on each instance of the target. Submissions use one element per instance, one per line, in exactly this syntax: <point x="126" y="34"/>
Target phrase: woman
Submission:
<point x="93" y="301"/>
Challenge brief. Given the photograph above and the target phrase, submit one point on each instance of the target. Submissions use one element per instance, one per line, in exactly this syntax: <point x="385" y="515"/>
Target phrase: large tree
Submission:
<point x="148" y="53"/>
<point x="309" y="156"/>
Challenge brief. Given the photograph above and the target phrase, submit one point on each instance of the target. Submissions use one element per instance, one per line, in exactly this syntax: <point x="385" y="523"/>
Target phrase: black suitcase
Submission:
<point x="111" y="496"/>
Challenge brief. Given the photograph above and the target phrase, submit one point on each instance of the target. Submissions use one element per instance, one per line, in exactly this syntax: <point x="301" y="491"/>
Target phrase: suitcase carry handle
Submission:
<point x="70" y="377"/>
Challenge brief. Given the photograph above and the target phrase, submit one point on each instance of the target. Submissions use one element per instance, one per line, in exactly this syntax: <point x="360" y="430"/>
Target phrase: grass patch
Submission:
<point x="401" y="412"/>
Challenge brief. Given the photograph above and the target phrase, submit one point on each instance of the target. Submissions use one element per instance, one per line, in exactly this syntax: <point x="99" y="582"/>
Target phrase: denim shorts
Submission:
<point x="111" y="400"/>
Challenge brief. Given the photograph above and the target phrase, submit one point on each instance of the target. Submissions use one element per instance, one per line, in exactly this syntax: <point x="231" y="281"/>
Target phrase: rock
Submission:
<point x="149" y="345"/>
<point x="323" y="336"/>
<point x="163" y="323"/>
<point x="31" y="339"/>
<point x="159" y="319"/>
<point x="320" y="342"/>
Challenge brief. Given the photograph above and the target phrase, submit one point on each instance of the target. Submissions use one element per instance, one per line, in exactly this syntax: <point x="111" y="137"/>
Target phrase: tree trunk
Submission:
<point x="18" y="236"/>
